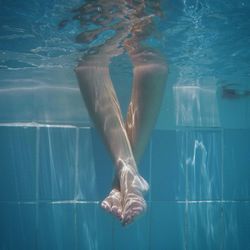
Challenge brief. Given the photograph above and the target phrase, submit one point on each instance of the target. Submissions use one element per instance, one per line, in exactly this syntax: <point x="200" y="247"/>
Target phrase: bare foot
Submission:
<point x="112" y="203"/>
<point x="133" y="187"/>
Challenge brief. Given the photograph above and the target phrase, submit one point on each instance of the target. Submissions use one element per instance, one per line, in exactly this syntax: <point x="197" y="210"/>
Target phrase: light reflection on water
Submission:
<point x="204" y="41"/>
<point x="191" y="105"/>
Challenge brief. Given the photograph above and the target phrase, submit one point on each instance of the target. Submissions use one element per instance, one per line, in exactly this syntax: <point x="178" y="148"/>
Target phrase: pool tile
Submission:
<point x="18" y="226"/>
<point x="59" y="103"/>
<point x="238" y="106"/>
<point x="134" y="236"/>
<point x="56" y="226"/>
<point x="248" y="114"/>
<point x="167" y="226"/>
<point x="15" y="101"/>
<point x="205" y="226"/>
<point x="18" y="164"/>
<point x="191" y="103"/>
<point x="236" y="170"/>
<point x="237" y="225"/>
<point x="103" y="166"/>
<point x="168" y="175"/>
<point x="86" y="178"/>
<point x="166" y="119"/>
<point x="144" y="168"/>
<point x="201" y="154"/>
<point x="57" y="163"/>
<point x="94" y="227"/>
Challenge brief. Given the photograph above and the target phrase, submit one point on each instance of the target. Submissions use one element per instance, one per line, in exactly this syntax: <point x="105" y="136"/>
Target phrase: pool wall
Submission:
<point x="52" y="179"/>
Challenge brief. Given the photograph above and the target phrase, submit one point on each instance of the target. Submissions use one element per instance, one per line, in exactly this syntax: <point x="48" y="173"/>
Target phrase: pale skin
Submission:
<point x="126" y="140"/>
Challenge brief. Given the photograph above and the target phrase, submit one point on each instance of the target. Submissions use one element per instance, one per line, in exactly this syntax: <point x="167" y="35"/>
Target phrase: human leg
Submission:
<point x="103" y="107"/>
<point x="147" y="94"/>
<point x="150" y="74"/>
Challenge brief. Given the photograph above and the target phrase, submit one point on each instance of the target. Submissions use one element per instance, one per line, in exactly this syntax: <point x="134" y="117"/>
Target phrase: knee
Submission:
<point x="150" y="59"/>
<point x="161" y="67"/>
<point x="151" y="69"/>
<point x="81" y="69"/>
<point x="93" y="61"/>
<point x="77" y="69"/>
<point x="85" y="67"/>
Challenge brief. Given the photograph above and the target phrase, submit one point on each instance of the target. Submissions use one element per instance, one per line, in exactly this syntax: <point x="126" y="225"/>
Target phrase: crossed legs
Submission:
<point x="125" y="141"/>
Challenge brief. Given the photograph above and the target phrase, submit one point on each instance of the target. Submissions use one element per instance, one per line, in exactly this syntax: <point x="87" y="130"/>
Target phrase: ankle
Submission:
<point x="116" y="182"/>
<point x="128" y="165"/>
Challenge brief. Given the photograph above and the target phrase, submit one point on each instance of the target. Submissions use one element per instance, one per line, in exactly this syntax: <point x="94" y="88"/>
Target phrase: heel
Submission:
<point x="140" y="183"/>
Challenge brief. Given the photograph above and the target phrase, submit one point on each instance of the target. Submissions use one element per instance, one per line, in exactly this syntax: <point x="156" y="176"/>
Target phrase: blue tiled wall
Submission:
<point x="53" y="178"/>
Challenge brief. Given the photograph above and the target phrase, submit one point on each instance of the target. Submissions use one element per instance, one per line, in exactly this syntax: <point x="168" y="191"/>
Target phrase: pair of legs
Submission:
<point x="127" y="140"/>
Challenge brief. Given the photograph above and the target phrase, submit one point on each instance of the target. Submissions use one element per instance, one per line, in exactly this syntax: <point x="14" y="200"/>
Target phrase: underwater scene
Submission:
<point x="55" y="167"/>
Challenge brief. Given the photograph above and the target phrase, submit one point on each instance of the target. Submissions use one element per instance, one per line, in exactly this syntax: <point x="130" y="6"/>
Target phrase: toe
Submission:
<point x="138" y="210"/>
<point x="134" y="207"/>
<point x="112" y="203"/>
<point x="117" y="212"/>
<point x="127" y="220"/>
<point x="105" y="205"/>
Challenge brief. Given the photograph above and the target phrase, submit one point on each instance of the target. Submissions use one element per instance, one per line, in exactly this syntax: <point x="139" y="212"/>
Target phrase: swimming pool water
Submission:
<point x="54" y="170"/>
<point x="52" y="180"/>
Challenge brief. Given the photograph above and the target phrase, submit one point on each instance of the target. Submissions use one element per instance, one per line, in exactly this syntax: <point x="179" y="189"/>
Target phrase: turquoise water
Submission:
<point x="54" y="170"/>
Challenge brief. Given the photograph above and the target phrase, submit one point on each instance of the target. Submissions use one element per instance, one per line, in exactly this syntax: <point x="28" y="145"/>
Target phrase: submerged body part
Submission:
<point x="126" y="140"/>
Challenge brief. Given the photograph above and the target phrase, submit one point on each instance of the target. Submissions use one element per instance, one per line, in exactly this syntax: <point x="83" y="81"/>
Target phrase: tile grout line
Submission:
<point x="76" y="162"/>
<point x="41" y="125"/>
<point x="97" y="202"/>
<point x="222" y="165"/>
<point x="222" y="186"/>
<point x="76" y="181"/>
<point x="150" y="169"/>
<point x="113" y="234"/>
<point x="62" y="125"/>
<point x="37" y="182"/>
<point x="186" y="135"/>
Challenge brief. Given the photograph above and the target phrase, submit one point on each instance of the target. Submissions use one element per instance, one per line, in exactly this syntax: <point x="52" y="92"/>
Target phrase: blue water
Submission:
<point x="54" y="169"/>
